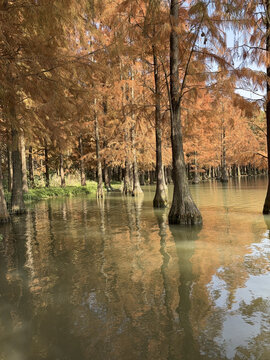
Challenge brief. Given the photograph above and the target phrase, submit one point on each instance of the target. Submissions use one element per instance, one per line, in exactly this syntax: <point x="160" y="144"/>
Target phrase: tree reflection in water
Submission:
<point x="111" y="280"/>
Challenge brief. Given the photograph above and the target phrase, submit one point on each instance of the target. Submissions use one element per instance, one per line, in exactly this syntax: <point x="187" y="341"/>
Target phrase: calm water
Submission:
<point x="112" y="281"/>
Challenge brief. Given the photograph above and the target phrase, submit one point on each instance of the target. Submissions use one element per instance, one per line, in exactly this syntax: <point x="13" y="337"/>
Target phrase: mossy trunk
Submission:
<point x="4" y="215"/>
<point x="82" y="167"/>
<point x="24" y="168"/>
<point x="62" y="170"/>
<point x="161" y="195"/>
<point x="183" y="209"/>
<point x="17" y="202"/>
<point x="31" y="167"/>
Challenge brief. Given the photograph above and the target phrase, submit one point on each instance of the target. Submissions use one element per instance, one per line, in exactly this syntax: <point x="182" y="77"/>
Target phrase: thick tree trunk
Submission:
<point x="24" y="168"/>
<point x="107" y="177"/>
<point x="161" y="198"/>
<point x="127" y="186"/>
<point x="47" y="173"/>
<point x="183" y="209"/>
<point x="62" y="170"/>
<point x="82" y="167"/>
<point x="10" y="168"/>
<point x="99" y="166"/>
<point x="17" y="202"/>
<point x="31" y="167"/>
<point x="4" y="215"/>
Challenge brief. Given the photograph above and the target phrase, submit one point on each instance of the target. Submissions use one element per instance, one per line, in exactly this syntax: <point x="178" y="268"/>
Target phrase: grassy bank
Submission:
<point x="44" y="193"/>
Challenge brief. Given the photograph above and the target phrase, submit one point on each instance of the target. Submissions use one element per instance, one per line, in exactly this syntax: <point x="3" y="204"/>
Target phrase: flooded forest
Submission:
<point x="134" y="191"/>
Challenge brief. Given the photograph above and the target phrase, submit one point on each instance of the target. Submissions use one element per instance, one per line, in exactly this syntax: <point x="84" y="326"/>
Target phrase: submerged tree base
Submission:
<point x="160" y="200"/>
<point x="100" y="193"/>
<point x="266" y="207"/>
<point x="137" y="191"/>
<point x="185" y="213"/>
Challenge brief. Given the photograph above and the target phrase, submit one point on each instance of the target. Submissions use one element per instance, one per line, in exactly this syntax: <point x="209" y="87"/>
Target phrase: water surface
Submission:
<point x="112" y="281"/>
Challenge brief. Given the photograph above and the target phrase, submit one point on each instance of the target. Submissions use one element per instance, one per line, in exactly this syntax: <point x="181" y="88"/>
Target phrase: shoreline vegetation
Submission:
<point x="56" y="191"/>
<point x="44" y="193"/>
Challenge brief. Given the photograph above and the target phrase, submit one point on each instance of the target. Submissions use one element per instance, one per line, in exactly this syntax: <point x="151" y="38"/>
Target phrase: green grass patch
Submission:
<point x="44" y="193"/>
<point x="55" y="191"/>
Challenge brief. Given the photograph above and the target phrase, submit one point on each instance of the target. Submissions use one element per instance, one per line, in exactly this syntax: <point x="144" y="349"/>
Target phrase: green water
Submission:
<point x="112" y="281"/>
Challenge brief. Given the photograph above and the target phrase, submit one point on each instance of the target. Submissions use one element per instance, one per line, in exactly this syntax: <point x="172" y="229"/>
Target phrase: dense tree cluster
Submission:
<point x="136" y="91"/>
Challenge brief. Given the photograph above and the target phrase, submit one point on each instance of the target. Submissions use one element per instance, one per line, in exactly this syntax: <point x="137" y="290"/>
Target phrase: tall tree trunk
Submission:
<point x="142" y="178"/>
<point x="24" y="168"/>
<point x="127" y="187"/>
<point x="31" y="167"/>
<point x="183" y="209"/>
<point x="224" y="173"/>
<point x="4" y="215"/>
<point x="47" y="173"/>
<point x="196" y="178"/>
<point x="266" y="207"/>
<point x="17" y="202"/>
<point x="161" y="198"/>
<point x="99" y="166"/>
<point x="62" y="171"/>
<point x="136" y="189"/>
<point x="107" y="176"/>
<point x="10" y="168"/>
<point x="82" y="167"/>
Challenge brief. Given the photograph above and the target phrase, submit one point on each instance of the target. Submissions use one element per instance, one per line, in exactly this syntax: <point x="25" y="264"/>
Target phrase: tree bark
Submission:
<point x="127" y="185"/>
<point x="24" y="168"/>
<point x="4" y="215"/>
<point x="161" y="195"/>
<point x="10" y="168"/>
<point x="196" y="178"/>
<point x="107" y="177"/>
<point x="62" y="171"/>
<point x="17" y="202"/>
<point x="183" y="209"/>
<point x="266" y="207"/>
<point x="31" y="167"/>
<point x="224" y="173"/>
<point x="47" y="173"/>
<point x="99" y="166"/>
<point x="136" y="189"/>
<point x="82" y="167"/>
